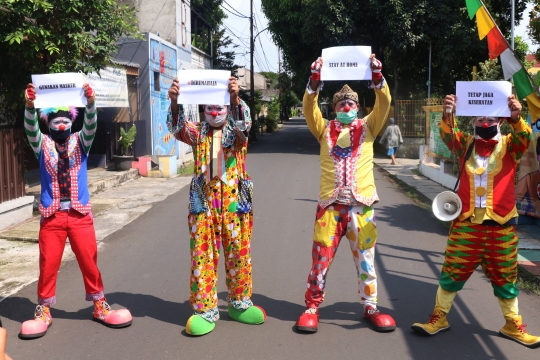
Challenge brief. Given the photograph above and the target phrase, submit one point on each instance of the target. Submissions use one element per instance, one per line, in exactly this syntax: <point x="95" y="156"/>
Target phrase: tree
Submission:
<point x="52" y="36"/>
<point x="224" y="60"/>
<point x="399" y="32"/>
<point x="273" y="77"/>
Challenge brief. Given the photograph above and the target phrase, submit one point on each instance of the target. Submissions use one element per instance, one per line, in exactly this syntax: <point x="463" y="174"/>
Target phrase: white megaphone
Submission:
<point x="447" y="206"/>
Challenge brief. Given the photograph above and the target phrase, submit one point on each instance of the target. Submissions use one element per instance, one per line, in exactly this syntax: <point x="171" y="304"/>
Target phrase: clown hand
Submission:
<point x="515" y="109"/>
<point x="90" y="94"/>
<point x="30" y="95"/>
<point x="234" y="91"/>
<point x="376" y="67"/>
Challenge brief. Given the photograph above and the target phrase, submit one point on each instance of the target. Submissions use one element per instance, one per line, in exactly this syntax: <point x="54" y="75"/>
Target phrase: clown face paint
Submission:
<point x="486" y="127"/>
<point x="60" y="128"/>
<point x="215" y="115"/>
<point x="346" y="111"/>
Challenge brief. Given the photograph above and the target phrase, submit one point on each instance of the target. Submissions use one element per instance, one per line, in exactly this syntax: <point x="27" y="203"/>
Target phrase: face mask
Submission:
<point x="60" y="135"/>
<point x="346" y="117"/>
<point x="488" y="132"/>
<point x="215" y="116"/>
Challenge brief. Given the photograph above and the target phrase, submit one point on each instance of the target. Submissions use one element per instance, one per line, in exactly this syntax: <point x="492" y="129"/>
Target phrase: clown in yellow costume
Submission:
<point x="220" y="209"/>
<point x="347" y="193"/>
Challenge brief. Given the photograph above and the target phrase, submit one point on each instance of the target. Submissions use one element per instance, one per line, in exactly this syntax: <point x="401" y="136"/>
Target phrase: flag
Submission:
<point x="498" y="46"/>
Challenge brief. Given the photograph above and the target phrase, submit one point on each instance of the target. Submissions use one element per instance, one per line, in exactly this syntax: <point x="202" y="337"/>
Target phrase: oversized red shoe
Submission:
<point x="381" y="322"/>
<point x="308" y="321"/>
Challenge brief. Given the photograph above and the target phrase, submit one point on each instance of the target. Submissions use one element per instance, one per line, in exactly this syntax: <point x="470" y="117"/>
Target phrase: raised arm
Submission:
<point x="88" y="132"/>
<point x="314" y="119"/>
<point x="520" y="137"/>
<point x="176" y="121"/>
<point x="376" y="119"/>
<point x="241" y="118"/>
<point x="31" y="125"/>
<point x="455" y="139"/>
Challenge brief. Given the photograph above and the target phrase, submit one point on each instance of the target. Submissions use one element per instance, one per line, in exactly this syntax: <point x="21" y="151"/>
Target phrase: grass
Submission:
<point x="526" y="281"/>
<point x="186" y="169"/>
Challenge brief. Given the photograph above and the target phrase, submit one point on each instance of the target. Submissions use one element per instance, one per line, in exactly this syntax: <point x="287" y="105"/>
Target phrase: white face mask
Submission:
<point x="215" y="115"/>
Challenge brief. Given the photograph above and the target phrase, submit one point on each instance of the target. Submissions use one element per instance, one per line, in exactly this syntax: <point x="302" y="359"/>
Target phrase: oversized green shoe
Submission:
<point x="253" y="315"/>
<point x="197" y="326"/>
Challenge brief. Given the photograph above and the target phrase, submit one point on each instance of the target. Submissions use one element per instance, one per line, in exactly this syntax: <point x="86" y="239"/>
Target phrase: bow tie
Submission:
<point x="485" y="147"/>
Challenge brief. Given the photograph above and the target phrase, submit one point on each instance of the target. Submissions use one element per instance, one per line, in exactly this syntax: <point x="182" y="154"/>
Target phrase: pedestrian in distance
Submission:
<point x="347" y="193"/>
<point x="393" y="138"/>
<point x="65" y="209"/>
<point x="484" y="233"/>
<point x="220" y="209"/>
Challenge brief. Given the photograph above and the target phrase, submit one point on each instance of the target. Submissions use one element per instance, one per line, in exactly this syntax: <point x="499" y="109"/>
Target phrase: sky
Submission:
<point x="266" y="52"/>
<point x="266" y="56"/>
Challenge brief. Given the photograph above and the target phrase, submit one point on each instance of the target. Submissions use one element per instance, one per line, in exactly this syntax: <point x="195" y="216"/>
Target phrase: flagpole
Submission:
<point x="513" y="15"/>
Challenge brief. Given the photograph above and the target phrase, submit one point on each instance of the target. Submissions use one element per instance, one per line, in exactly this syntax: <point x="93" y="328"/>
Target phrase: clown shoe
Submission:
<point x="197" y="325"/>
<point x="515" y="330"/>
<point x="308" y="321"/>
<point x="112" y="318"/>
<point x="253" y="315"/>
<point x="32" y="329"/>
<point x="381" y="322"/>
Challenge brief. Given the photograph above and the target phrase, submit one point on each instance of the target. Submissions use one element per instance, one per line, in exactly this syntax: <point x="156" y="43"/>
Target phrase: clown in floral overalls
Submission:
<point x="347" y="193"/>
<point x="220" y="214"/>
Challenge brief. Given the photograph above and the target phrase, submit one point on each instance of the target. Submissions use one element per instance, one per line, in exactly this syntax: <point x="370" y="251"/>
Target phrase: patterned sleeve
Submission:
<point x="247" y="116"/>
<point x="459" y="144"/>
<point x="31" y="128"/>
<point x="519" y="139"/>
<point x="88" y="132"/>
<point x="181" y="129"/>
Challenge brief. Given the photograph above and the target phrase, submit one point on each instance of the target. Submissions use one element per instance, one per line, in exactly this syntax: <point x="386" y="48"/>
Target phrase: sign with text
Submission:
<point x="64" y="89"/>
<point x="346" y="63"/>
<point x="483" y="98"/>
<point x="204" y="87"/>
<point x="111" y="88"/>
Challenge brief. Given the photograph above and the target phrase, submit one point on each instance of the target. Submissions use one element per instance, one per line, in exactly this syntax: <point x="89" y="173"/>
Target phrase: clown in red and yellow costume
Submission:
<point x="347" y="193"/>
<point x="65" y="209"/>
<point x="485" y="231"/>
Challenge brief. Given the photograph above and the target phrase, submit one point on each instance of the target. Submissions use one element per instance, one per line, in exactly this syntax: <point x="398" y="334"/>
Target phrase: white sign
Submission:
<point x="65" y="89"/>
<point x="346" y="63"/>
<point x="483" y="98"/>
<point x="204" y="87"/>
<point x="111" y="88"/>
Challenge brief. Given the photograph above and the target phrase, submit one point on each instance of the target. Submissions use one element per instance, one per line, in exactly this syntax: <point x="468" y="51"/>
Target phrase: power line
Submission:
<point x="235" y="11"/>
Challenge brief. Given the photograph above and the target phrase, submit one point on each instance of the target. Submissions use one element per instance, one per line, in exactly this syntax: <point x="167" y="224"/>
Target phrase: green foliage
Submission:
<point x="272" y="118"/>
<point x="399" y="33"/>
<point x="224" y="60"/>
<point x="534" y="25"/>
<point x="489" y="70"/>
<point x="53" y="36"/>
<point x="273" y="77"/>
<point x="127" y="138"/>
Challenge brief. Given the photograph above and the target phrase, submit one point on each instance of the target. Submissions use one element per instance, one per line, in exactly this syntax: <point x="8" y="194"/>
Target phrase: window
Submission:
<point x="156" y="81"/>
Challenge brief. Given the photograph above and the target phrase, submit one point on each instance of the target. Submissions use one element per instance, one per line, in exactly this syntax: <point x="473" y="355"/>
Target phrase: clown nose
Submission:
<point x="484" y="125"/>
<point x="346" y="108"/>
<point x="62" y="127"/>
<point x="214" y="113"/>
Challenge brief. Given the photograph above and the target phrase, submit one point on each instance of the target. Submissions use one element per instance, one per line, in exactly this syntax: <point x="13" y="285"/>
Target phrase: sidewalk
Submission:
<point x="529" y="235"/>
<point x="118" y="198"/>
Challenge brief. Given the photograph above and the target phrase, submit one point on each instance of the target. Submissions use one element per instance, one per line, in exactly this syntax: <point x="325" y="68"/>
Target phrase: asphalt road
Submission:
<point x="145" y="267"/>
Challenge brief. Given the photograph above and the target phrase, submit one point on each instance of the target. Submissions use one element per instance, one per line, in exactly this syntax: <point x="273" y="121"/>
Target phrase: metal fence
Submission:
<point x="11" y="164"/>
<point x="411" y="117"/>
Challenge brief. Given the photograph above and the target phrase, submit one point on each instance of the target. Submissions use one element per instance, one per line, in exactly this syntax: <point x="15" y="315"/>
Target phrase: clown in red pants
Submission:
<point x="66" y="211"/>
<point x="52" y="240"/>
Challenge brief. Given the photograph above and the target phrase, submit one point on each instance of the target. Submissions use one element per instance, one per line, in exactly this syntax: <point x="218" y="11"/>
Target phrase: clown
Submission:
<point x="485" y="231"/>
<point x="220" y="213"/>
<point x="347" y="193"/>
<point x="65" y="209"/>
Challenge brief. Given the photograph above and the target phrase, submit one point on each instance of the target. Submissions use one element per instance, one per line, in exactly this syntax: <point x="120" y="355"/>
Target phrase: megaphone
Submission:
<point x="446" y="206"/>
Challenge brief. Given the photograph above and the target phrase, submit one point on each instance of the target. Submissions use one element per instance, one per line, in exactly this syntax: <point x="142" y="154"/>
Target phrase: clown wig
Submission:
<point x="47" y="114"/>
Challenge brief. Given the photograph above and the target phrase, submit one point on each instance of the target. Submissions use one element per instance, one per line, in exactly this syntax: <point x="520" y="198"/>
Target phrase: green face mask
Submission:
<point x="346" y="117"/>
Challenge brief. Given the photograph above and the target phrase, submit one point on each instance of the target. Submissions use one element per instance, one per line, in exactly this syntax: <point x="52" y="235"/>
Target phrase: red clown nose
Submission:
<point x="484" y="125"/>
<point x="214" y="113"/>
<point x="62" y="127"/>
<point x="346" y="108"/>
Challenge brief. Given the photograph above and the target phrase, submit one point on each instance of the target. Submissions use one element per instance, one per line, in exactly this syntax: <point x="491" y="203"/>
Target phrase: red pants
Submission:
<point x="53" y="233"/>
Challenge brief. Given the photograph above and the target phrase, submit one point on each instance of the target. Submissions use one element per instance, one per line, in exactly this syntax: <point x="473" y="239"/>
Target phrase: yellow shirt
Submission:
<point x="360" y="181"/>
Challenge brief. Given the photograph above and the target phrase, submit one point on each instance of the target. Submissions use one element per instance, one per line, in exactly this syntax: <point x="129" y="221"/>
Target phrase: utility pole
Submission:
<point x="429" y="77"/>
<point x="279" y="78"/>
<point x="251" y="73"/>
<point x="512" y="22"/>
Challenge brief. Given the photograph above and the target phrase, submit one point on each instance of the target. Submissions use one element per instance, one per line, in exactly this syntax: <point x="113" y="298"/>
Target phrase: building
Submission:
<point x="175" y="38"/>
<point x="244" y="80"/>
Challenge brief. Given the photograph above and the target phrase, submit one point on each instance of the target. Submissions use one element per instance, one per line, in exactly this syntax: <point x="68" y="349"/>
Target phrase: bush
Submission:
<point x="272" y="119"/>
